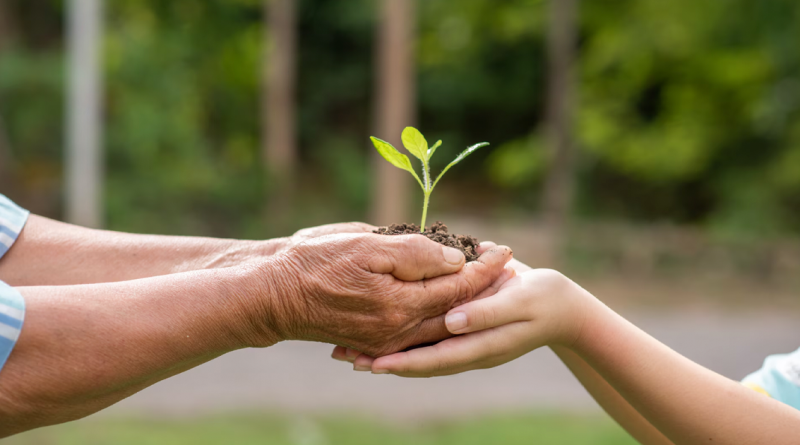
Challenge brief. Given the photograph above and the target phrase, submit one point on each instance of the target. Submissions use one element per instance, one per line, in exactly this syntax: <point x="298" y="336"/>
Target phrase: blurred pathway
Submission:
<point x="300" y="377"/>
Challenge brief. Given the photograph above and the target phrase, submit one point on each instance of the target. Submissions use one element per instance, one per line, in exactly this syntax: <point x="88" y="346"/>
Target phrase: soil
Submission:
<point x="437" y="232"/>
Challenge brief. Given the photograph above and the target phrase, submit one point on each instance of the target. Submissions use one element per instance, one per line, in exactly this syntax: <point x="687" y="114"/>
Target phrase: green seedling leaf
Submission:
<point x="432" y="150"/>
<point x="394" y="157"/>
<point x="458" y="159"/>
<point x="415" y="143"/>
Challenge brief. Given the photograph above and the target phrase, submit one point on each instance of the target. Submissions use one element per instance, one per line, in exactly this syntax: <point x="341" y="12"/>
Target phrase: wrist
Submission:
<point x="266" y="248"/>
<point x="250" y="251"/>
<point x="269" y="302"/>
<point x="593" y="317"/>
<point x="219" y="254"/>
<point x="575" y="311"/>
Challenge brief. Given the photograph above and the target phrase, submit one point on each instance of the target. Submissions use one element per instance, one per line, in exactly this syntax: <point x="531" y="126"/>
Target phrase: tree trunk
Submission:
<point x="84" y="160"/>
<point x="6" y="159"/>
<point x="7" y="29"/>
<point x="561" y="54"/>
<point x="278" y="100"/>
<point x="395" y="106"/>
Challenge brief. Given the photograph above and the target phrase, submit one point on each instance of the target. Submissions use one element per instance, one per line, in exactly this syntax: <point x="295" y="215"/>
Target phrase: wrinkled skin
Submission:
<point x="309" y="233"/>
<point x="306" y="234"/>
<point x="377" y="294"/>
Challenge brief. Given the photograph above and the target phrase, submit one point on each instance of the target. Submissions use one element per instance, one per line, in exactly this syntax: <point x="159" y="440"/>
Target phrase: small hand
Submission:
<point x="539" y="307"/>
<point x="374" y="293"/>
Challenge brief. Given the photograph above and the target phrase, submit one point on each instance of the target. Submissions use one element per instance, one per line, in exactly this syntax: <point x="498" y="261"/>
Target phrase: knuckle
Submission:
<point x="440" y="364"/>
<point x="488" y="316"/>
<point x="396" y="320"/>
<point x="414" y="243"/>
<point x="465" y="291"/>
<point x="403" y="366"/>
<point x="550" y="279"/>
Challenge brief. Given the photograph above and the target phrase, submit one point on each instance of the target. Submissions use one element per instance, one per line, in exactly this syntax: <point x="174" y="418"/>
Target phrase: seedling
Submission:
<point x="416" y="144"/>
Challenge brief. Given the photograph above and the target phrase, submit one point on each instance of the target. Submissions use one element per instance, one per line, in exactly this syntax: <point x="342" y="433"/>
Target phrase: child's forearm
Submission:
<point x="686" y="402"/>
<point x="610" y="400"/>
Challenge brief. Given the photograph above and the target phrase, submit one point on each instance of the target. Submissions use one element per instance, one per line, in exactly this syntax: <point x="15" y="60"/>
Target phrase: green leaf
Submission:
<point x="394" y="157"/>
<point x="458" y="159"/>
<point x="415" y="143"/>
<point x="433" y="149"/>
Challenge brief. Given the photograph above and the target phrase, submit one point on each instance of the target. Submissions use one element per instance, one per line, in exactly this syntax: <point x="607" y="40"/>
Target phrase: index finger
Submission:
<point x="476" y="350"/>
<point x="451" y="356"/>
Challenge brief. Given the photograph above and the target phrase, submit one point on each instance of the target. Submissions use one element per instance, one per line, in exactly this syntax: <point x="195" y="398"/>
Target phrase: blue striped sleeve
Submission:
<point x="12" y="219"/>
<point x="12" y="314"/>
<point x="12" y="306"/>
<point x="779" y="378"/>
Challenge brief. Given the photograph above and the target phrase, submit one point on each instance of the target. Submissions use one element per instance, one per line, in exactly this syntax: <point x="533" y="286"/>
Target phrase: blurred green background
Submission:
<point x="686" y="112"/>
<point x="253" y="429"/>
<point x="684" y="147"/>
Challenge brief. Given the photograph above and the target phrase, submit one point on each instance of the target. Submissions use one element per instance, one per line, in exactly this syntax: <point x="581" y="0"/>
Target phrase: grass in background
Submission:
<point x="248" y="429"/>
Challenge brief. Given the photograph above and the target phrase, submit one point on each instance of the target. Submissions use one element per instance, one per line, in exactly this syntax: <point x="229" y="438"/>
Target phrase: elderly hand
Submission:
<point x="306" y="234"/>
<point x="375" y="293"/>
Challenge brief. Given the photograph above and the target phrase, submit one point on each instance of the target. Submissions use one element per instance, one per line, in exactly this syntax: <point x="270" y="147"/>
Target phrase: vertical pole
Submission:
<point x="278" y="101"/>
<point x="84" y="160"/>
<point x="561" y="53"/>
<point x="7" y="31"/>
<point x="395" y="107"/>
<point x="279" y="151"/>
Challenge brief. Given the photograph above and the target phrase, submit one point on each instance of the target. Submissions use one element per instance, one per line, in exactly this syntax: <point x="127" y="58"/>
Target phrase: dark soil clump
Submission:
<point x="437" y="232"/>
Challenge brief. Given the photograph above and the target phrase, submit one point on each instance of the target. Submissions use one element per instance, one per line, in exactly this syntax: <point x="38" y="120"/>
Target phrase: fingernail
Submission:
<point x="452" y="256"/>
<point x="362" y="368"/>
<point x="456" y="321"/>
<point x="341" y="359"/>
<point x="381" y="371"/>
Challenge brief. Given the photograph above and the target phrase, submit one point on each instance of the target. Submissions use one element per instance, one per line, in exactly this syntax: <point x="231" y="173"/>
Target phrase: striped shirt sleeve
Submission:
<point x="12" y="306"/>
<point x="12" y="314"/>
<point x="779" y="378"/>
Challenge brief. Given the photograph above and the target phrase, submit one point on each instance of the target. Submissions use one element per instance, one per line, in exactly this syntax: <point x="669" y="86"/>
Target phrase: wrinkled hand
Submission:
<point x="374" y="293"/>
<point x="306" y="234"/>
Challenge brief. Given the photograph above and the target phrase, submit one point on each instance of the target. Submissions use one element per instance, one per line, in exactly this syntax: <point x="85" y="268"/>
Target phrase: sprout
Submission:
<point x="416" y="144"/>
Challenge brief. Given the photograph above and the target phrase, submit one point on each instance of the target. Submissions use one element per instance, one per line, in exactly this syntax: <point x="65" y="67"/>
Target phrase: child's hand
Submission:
<point x="536" y="308"/>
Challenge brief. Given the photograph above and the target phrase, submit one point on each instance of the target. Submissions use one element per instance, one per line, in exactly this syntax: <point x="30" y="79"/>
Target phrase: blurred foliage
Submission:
<point x="688" y="112"/>
<point x="277" y="430"/>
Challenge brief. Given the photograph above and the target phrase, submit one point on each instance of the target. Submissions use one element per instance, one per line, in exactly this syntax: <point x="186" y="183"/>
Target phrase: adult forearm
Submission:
<point x="610" y="400"/>
<point x="86" y="347"/>
<point x="49" y="252"/>
<point x="688" y="403"/>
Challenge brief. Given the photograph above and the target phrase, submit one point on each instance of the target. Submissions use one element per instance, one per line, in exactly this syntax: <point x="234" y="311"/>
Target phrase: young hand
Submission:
<point x="535" y="308"/>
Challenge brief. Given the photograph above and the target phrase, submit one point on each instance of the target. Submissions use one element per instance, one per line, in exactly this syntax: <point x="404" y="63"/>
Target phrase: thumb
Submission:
<point x="490" y="312"/>
<point x="413" y="257"/>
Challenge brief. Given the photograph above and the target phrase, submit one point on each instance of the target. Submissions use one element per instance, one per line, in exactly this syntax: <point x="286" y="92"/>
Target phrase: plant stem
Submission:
<point x="425" y="211"/>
